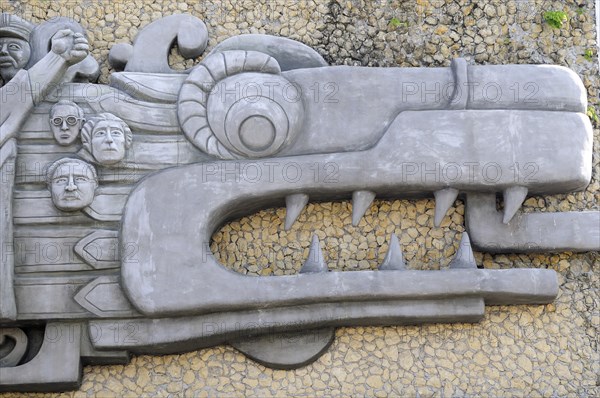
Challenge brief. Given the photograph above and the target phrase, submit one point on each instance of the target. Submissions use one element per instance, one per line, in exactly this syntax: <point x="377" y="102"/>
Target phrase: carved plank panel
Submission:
<point x="36" y="207"/>
<point x="140" y="115"/>
<point x="78" y="296"/>
<point x="104" y="297"/>
<point x="100" y="249"/>
<point x="108" y="204"/>
<point x="51" y="249"/>
<point x="32" y="297"/>
<point x="147" y="153"/>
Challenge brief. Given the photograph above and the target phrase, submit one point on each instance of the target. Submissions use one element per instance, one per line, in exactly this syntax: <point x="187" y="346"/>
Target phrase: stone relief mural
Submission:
<point x="138" y="174"/>
<point x="72" y="184"/>
<point x="66" y="119"/>
<point x="105" y="138"/>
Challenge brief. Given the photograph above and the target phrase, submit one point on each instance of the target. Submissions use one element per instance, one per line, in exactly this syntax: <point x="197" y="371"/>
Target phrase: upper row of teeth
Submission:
<point x="444" y="199"/>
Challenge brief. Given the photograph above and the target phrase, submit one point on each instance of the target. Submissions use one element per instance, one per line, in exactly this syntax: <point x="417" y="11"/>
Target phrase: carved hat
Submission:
<point x="13" y="26"/>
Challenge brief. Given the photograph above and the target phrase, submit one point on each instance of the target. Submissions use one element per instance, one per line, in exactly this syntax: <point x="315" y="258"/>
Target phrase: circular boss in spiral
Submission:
<point x="236" y="104"/>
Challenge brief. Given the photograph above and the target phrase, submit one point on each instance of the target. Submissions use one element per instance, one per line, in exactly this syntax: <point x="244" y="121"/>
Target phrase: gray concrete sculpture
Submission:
<point x="86" y="70"/>
<point x="66" y="119"/>
<point x="72" y="184"/>
<point x="176" y="154"/>
<point x="105" y="139"/>
<point x="21" y="91"/>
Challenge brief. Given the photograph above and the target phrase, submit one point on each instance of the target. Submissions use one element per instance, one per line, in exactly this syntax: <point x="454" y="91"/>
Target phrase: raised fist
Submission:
<point x="73" y="47"/>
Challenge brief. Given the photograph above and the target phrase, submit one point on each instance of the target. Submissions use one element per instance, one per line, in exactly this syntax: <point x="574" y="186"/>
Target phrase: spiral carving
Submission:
<point x="236" y="104"/>
<point x="13" y="345"/>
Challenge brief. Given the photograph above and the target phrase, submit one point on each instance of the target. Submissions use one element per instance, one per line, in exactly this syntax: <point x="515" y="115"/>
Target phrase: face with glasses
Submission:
<point x="65" y="123"/>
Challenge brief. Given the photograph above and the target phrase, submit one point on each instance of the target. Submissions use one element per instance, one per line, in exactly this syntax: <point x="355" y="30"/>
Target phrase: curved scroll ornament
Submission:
<point x="234" y="105"/>
<point x="13" y="346"/>
<point x="150" y="50"/>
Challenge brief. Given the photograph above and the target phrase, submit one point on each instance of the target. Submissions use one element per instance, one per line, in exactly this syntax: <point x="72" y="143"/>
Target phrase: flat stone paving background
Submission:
<point x="525" y="351"/>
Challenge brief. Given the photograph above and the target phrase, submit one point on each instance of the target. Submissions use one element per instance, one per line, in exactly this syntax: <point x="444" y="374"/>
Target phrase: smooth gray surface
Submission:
<point x="180" y="334"/>
<point x="194" y="208"/>
<point x="56" y="367"/>
<point x="17" y="338"/>
<point x="216" y="87"/>
<point x="8" y="305"/>
<point x="286" y="350"/>
<point x="151" y="47"/>
<point x="529" y="232"/>
<point x="264" y="122"/>
<point x="290" y="54"/>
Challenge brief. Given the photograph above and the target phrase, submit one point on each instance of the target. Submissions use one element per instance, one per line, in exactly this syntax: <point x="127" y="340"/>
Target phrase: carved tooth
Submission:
<point x="444" y="198"/>
<point x="294" y="204"/>
<point x="394" y="260"/>
<point x="513" y="199"/>
<point x="361" y="200"/>
<point x="315" y="261"/>
<point x="464" y="257"/>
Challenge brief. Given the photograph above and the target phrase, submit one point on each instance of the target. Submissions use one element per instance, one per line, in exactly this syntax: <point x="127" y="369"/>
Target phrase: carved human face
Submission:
<point x="72" y="186"/>
<point x="14" y="55"/>
<point x="65" y="124"/>
<point x="108" y="142"/>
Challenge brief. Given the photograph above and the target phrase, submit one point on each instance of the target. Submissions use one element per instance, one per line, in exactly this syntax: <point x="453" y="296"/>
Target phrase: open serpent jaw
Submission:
<point x="414" y="149"/>
<point x="172" y="215"/>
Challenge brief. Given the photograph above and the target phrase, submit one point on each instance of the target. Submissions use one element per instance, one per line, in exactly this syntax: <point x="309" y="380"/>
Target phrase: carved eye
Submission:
<point x="81" y="179"/>
<point x="14" y="47"/>
<point x="57" y="121"/>
<point x="61" y="180"/>
<point x="117" y="133"/>
<point x="259" y="124"/>
<point x="71" y="120"/>
<point x="100" y="133"/>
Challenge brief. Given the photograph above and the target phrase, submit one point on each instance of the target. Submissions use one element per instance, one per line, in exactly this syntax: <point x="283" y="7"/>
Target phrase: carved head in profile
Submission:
<point x="106" y="137"/>
<point x="66" y="119"/>
<point x="72" y="183"/>
<point x="14" y="45"/>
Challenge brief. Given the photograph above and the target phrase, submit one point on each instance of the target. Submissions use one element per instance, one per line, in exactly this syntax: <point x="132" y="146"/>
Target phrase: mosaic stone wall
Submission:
<point x="523" y="351"/>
